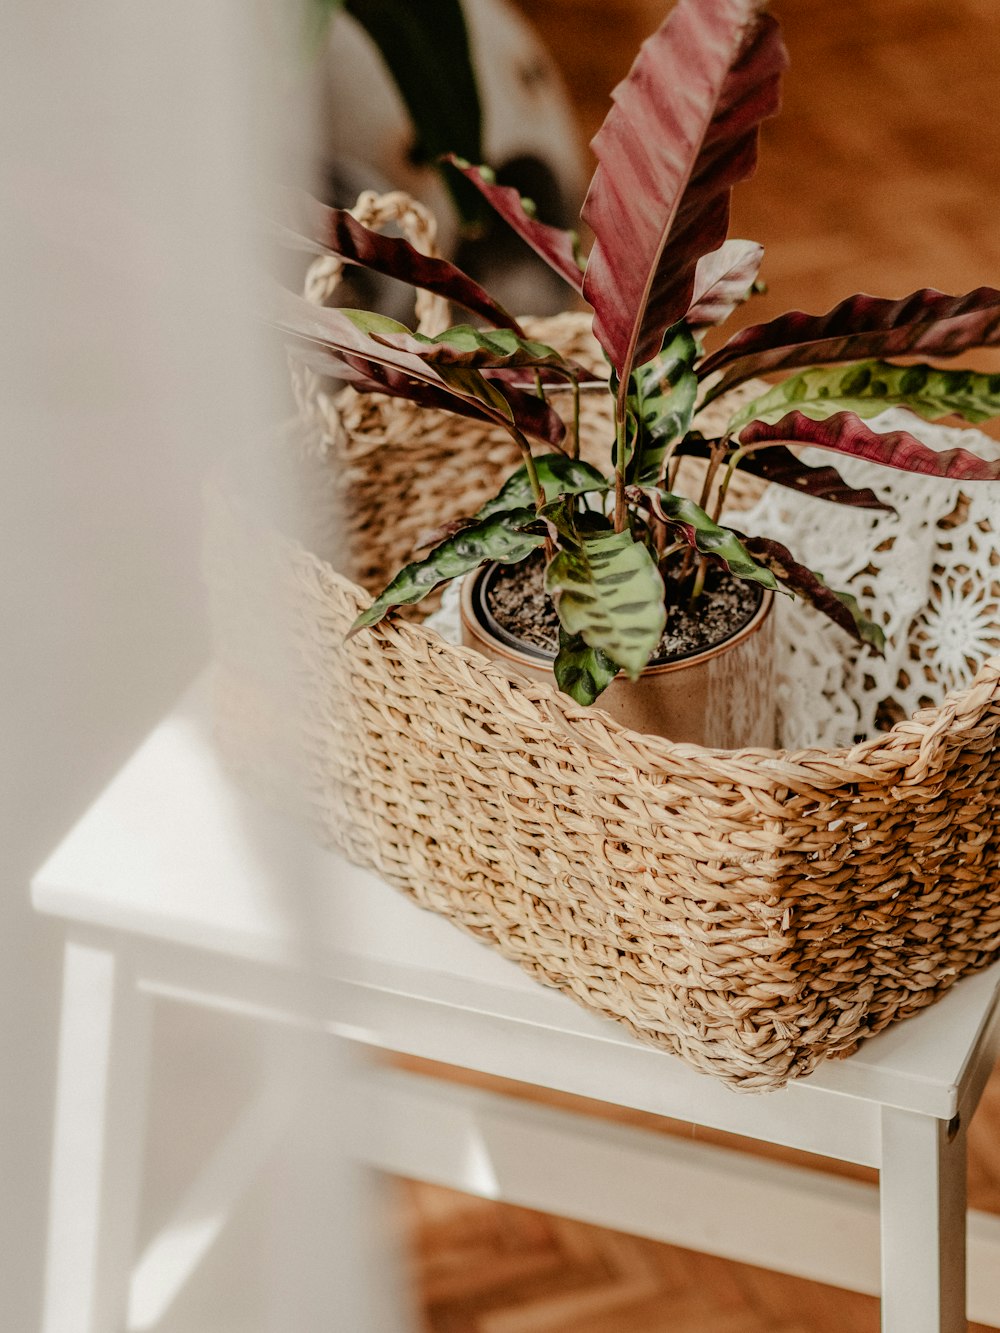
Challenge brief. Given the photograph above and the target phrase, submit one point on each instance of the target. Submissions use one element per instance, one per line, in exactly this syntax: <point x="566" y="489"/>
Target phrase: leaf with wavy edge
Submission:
<point x="846" y="433"/>
<point x="500" y="537"/>
<point x="557" y="474"/>
<point x="707" y="536"/>
<point x="303" y="223"/>
<point x="607" y="589"/>
<point x="779" y="465"/>
<point x="869" y="387"/>
<point x="925" y="323"/>
<point x="681" y="134"/>
<point x="840" y="607"/>
<point x="582" y="672"/>
<point x="660" y="404"/>
<point x="559" y="248"/>
<point x="463" y="345"/>
<point x="393" y="370"/>
<point x="723" y="280"/>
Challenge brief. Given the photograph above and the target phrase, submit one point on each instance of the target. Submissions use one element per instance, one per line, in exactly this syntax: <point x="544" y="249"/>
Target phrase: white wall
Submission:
<point x="130" y="138"/>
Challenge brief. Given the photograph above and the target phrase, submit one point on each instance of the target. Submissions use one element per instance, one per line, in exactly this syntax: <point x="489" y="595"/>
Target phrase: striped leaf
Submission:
<point x="607" y="590"/>
<point x="925" y="323"/>
<point x="681" y="133"/>
<point x="302" y="223"/>
<point x="661" y="403"/>
<point x="582" y="672"/>
<point x="501" y="537"/>
<point x="558" y="475"/>
<point x="708" y="537"/>
<point x="869" y="387"/>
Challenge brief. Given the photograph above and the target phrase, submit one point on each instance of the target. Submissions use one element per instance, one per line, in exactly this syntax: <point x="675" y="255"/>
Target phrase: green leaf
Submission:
<point x="500" y="537"/>
<point x="582" y="672"/>
<point x="608" y="590"/>
<point x="558" y="475"/>
<point x="396" y="338"/>
<point x="869" y="387"/>
<point x="708" y="537"/>
<point x="661" y="403"/>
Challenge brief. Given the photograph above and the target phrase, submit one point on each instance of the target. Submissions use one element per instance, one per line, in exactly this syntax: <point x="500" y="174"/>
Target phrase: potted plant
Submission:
<point x="754" y="912"/>
<point x="590" y="573"/>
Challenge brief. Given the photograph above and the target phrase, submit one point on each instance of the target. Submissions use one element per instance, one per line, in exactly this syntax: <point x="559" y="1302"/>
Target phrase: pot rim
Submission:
<point x="480" y="621"/>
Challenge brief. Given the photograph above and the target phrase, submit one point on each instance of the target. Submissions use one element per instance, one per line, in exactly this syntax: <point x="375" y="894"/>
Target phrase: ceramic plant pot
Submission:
<point x="721" y="697"/>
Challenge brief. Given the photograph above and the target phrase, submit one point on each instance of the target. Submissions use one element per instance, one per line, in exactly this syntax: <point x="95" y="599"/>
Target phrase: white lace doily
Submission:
<point x="929" y="574"/>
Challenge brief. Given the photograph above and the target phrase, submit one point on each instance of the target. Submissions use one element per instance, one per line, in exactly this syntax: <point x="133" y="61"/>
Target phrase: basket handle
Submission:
<point x="418" y="225"/>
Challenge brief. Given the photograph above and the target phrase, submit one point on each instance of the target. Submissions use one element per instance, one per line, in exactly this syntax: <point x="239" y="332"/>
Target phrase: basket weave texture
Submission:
<point x="753" y="912"/>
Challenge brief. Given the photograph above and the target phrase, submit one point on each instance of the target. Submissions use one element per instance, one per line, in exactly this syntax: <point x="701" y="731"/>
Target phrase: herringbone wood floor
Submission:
<point x="882" y="175"/>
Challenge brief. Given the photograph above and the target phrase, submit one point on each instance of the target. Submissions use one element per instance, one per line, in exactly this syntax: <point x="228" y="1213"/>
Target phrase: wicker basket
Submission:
<point x="753" y="912"/>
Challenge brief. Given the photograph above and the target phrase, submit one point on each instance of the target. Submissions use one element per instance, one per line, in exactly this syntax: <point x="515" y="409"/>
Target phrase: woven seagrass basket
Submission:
<point x="753" y="912"/>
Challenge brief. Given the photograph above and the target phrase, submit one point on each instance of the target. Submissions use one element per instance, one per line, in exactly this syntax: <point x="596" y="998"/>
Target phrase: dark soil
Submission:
<point x="515" y="594"/>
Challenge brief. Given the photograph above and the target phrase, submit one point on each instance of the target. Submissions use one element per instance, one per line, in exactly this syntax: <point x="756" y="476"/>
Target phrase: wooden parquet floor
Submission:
<point x="882" y="174"/>
<point x="484" y="1267"/>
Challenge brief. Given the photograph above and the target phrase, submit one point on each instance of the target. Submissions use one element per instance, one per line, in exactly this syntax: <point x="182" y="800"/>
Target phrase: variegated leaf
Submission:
<point x="503" y="537"/>
<point x="608" y="590"/>
<point x="557" y="474"/>
<point x="582" y="672"/>
<point x="869" y="387"/>
<point x="661" y="403"/>
<point x="708" y="537"/>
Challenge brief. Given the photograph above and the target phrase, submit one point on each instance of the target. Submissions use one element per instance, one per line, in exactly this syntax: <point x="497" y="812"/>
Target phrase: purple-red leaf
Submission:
<point x="682" y="133"/>
<point x="840" y="607"/>
<point x="925" y="323"/>
<point x="780" y="466"/>
<point x="302" y="222"/>
<point x="557" y="247"/>
<point x="395" y="371"/>
<point x="532" y="416"/>
<point x="848" y="434"/>
<point x="722" y="280"/>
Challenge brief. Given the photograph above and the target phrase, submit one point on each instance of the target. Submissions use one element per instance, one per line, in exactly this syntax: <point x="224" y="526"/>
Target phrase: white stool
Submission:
<point x="165" y="890"/>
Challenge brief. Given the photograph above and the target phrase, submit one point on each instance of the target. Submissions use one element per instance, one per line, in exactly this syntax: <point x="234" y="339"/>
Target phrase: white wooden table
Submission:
<point x="167" y="890"/>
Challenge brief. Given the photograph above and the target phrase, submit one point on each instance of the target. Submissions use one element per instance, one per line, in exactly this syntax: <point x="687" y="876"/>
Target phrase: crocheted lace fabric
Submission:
<point x="929" y="574"/>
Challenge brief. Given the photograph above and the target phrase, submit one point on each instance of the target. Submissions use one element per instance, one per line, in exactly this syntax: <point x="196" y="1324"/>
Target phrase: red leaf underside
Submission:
<point x="681" y="134"/>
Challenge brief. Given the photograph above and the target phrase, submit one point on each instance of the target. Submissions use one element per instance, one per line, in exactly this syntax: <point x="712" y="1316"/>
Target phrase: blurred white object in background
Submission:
<point x="529" y="138"/>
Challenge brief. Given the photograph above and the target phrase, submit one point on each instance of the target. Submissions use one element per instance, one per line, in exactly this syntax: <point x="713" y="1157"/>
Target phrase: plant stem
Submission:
<point x="699" y="580"/>
<point x="576" y="417"/>
<point x="538" y="384"/>
<point x="718" y="454"/>
<point x="529" y="466"/>
<point x="720" y="500"/>
<point x="620" y="509"/>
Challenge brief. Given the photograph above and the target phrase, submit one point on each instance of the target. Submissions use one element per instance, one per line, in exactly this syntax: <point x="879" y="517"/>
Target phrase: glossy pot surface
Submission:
<point x="722" y="698"/>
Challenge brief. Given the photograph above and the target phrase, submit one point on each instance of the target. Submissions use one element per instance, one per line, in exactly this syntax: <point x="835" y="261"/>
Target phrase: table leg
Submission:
<point x="923" y="1211"/>
<point x="97" y="1146"/>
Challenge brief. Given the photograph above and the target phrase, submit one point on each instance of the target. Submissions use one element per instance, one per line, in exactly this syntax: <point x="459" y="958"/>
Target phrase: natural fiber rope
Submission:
<point x="753" y="912"/>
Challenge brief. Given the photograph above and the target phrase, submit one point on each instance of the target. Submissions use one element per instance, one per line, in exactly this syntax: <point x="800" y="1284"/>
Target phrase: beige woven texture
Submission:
<point x="753" y="912"/>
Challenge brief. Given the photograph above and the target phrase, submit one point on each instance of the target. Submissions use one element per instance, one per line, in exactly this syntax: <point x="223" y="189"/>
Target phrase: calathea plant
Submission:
<point x="681" y="133"/>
